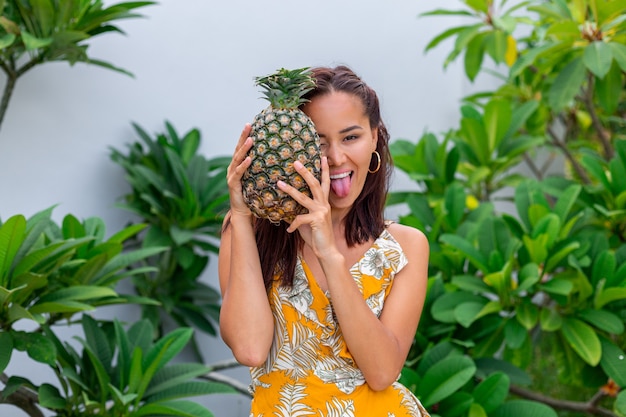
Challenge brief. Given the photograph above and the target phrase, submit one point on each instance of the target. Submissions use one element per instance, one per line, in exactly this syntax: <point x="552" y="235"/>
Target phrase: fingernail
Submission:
<point x="298" y="164"/>
<point x="281" y="184"/>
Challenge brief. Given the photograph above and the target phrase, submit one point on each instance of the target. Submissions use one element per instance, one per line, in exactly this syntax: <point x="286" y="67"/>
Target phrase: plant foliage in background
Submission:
<point x="183" y="197"/>
<point x="33" y="32"/>
<point x="50" y="273"/>
<point x="524" y="204"/>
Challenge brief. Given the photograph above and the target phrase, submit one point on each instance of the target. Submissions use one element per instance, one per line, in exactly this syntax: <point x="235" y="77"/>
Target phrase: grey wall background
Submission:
<point x="194" y="63"/>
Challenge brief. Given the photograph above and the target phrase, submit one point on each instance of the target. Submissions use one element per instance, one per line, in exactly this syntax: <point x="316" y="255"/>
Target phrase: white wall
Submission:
<point x="194" y="63"/>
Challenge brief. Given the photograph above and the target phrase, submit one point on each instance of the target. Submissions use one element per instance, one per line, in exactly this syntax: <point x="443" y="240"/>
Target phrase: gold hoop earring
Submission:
<point x="377" y="166"/>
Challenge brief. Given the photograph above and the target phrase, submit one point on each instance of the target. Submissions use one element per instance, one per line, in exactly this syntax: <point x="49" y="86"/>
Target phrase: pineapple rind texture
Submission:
<point x="281" y="136"/>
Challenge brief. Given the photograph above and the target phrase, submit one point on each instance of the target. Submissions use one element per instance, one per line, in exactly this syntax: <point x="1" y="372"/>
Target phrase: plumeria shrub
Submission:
<point x="524" y="204"/>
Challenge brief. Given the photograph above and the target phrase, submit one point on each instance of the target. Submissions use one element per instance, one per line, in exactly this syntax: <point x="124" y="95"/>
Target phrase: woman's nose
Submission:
<point x="334" y="154"/>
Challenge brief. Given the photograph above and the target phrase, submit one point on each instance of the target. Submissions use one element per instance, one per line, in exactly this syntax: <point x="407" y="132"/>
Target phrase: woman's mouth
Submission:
<point x="340" y="183"/>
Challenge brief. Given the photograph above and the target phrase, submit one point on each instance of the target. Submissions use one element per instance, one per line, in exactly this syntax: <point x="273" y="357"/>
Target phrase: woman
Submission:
<point x="303" y="303"/>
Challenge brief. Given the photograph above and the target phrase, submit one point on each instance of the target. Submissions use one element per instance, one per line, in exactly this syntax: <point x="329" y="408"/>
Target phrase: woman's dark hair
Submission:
<point x="278" y="250"/>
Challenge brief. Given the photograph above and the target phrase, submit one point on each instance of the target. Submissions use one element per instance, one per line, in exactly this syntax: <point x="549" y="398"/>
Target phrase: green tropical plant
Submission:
<point x="33" y="32"/>
<point x="183" y="197"/>
<point x="50" y="272"/>
<point x="528" y="262"/>
<point x="121" y="373"/>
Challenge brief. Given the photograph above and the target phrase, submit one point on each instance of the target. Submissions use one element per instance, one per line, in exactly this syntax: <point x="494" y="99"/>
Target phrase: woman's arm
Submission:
<point x="380" y="345"/>
<point x="246" y="321"/>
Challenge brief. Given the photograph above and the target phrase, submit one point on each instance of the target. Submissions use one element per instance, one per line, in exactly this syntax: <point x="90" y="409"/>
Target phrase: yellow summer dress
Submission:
<point x="309" y="371"/>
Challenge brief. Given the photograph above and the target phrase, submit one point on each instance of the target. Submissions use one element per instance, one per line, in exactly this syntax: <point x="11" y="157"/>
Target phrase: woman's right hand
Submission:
<point x="238" y="165"/>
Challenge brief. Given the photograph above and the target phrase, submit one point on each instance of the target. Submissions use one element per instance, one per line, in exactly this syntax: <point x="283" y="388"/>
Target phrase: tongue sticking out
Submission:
<point x="341" y="186"/>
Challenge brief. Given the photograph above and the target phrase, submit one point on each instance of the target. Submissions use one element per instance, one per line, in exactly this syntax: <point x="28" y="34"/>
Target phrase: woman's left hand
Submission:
<point x="315" y="227"/>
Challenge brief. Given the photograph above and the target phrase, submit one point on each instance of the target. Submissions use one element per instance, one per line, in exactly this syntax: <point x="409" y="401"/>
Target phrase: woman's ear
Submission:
<point x="374" y="138"/>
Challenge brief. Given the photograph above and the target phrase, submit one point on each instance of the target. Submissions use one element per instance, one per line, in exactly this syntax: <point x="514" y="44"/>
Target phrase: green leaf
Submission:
<point x="473" y="131"/>
<point x="50" y="397"/>
<point x="526" y="408"/>
<point x="466" y="248"/>
<point x="476" y="410"/>
<point x="444" y="307"/>
<point x="606" y="87"/>
<point x="43" y="12"/>
<point x="520" y="115"/>
<point x="492" y="391"/>
<point x="444" y="378"/>
<point x="598" y="57"/>
<point x="498" y="116"/>
<point x="7" y="40"/>
<point x="162" y="352"/>
<point x="550" y="320"/>
<point x="445" y="12"/>
<point x="11" y="237"/>
<point x="122" y="261"/>
<point x="101" y="374"/>
<point x="78" y="293"/>
<point x="478" y="5"/>
<point x="135" y="373"/>
<point x="6" y="349"/>
<point x="583" y="339"/>
<point x="174" y="374"/>
<point x="619" y="53"/>
<point x="443" y="36"/>
<point x="514" y="334"/>
<point x="608" y="295"/>
<point x="37" y="346"/>
<point x="620" y="404"/>
<point x="558" y="286"/>
<point x="462" y="39"/>
<point x="32" y="42"/>
<point x="456" y="405"/>
<point x="603" y="320"/>
<point x="173" y="408"/>
<point x="527" y="314"/>
<point x="60" y="307"/>
<point x="564" y="30"/>
<point x="467" y="313"/>
<point x="495" y="45"/>
<point x="613" y="362"/>
<point x="529" y="56"/>
<point x="190" y="389"/>
<point x="127" y="233"/>
<point x="98" y="342"/>
<point x="567" y="84"/>
<point x="474" y="54"/>
<point x="566" y="201"/>
<point x="470" y="283"/>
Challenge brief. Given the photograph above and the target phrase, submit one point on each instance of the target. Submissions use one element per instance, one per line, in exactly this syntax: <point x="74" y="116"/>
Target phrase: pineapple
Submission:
<point x="282" y="134"/>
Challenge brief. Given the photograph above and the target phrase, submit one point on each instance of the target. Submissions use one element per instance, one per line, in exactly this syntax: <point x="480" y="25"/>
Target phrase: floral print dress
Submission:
<point x="309" y="371"/>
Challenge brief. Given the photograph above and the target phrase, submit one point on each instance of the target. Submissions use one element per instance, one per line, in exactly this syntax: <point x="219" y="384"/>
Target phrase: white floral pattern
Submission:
<point x="309" y="370"/>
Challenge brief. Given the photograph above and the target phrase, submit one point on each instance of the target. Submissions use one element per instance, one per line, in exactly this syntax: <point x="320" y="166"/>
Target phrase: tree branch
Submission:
<point x="23" y="398"/>
<point x="603" y="135"/>
<point x="581" y="407"/>
<point x="568" y="155"/>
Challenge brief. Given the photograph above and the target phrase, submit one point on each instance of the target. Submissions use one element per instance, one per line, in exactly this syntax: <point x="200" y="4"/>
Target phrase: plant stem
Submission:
<point x="568" y="155"/>
<point x="582" y="407"/>
<point x="12" y="75"/>
<point x="9" y="86"/>
<point x="605" y="139"/>
<point x="23" y="399"/>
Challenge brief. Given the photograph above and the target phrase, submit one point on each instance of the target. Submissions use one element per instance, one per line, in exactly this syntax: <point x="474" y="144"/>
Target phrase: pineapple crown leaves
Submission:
<point x="285" y="88"/>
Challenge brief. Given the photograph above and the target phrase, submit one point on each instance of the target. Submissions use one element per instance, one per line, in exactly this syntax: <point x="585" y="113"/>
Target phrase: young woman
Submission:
<point x="324" y="310"/>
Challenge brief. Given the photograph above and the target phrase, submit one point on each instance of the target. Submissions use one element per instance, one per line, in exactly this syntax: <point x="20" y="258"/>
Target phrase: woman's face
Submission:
<point x="347" y="140"/>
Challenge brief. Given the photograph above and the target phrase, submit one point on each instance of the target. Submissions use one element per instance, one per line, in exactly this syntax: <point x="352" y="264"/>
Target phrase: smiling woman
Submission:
<point x="324" y="307"/>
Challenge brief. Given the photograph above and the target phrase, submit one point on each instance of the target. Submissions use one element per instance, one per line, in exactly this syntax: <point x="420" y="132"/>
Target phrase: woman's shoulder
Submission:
<point x="407" y="236"/>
